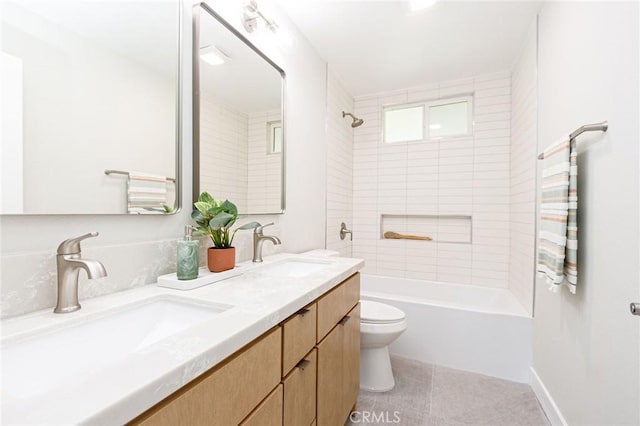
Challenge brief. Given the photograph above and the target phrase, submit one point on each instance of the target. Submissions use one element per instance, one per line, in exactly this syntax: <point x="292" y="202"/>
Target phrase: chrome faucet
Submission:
<point x="69" y="263"/>
<point x="259" y="238"/>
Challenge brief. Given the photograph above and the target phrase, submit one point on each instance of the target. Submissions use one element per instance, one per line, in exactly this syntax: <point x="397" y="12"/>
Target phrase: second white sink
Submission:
<point x="294" y="268"/>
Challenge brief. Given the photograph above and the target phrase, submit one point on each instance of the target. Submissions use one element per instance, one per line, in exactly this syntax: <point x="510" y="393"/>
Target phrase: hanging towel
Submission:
<point x="146" y="193"/>
<point x="558" y="236"/>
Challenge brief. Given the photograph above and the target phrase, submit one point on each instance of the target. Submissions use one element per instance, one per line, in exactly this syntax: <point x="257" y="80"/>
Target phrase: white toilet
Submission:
<point x="380" y="325"/>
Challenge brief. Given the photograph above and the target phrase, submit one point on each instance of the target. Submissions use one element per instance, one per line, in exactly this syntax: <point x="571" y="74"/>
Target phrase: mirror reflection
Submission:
<point x="89" y="86"/>
<point x="239" y="141"/>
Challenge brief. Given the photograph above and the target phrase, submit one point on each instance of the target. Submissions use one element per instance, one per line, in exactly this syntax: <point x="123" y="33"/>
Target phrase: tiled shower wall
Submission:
<point x="523" y="172"/>
<point x="223" y="152"/>
<point x="463" y="176"/>
<point x="339" y="165"/>
<point x="265" y="180"/>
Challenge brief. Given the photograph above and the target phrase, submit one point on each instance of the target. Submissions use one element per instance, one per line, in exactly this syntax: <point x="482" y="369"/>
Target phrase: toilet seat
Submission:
<point x="379" y="313"/>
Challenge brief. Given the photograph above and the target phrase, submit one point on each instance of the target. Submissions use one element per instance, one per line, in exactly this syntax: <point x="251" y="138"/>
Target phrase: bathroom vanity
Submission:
<point x="278" y="344"/>
<point x="304" y="371"/>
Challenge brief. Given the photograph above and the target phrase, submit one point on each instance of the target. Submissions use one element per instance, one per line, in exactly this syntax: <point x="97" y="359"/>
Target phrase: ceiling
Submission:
<point x="375" y="46"/>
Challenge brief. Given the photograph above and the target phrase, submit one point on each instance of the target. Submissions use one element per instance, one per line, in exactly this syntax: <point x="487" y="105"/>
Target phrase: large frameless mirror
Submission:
<point x="90" y="107"/>
<point x="238" y="118"/>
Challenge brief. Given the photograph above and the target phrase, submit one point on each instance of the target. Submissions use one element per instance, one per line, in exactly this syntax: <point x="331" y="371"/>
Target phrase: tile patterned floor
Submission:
<point x="430" y="395"/>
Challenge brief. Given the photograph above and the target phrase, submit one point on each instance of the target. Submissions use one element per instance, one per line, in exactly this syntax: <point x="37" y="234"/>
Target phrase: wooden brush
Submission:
<point x="395" y="236"/>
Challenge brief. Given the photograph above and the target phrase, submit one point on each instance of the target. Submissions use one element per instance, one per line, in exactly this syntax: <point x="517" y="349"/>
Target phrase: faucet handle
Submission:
<point x="72" y="245"/>
<point x="258" y="229"/>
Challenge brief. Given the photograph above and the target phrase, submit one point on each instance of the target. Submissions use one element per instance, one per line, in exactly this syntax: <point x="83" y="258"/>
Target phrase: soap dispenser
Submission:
<point x="188" y="259"/>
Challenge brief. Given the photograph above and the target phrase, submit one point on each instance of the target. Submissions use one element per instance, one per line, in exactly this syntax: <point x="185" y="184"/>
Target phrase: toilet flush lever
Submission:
<point x="344" y="231"/>
<point x="635" y="309"/>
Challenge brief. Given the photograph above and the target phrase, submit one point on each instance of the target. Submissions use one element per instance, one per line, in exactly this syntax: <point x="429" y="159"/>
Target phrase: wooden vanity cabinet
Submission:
<point x="338" y="353"/>
<point x="300" y="392"/>
<point x="304" y="372"/>
<point x="228" y="393"/>
<point x="269" y="412"/>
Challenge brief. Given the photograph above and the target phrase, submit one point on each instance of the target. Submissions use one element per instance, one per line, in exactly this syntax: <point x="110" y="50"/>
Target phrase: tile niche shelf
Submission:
<point x="442" y="228"/>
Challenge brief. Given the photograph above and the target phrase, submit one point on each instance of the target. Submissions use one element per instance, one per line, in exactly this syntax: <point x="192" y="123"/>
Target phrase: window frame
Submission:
<point x="271" y="126"/>
<point x="426" y="118"/>
<point x="396" y="107"/>
<point x="449" y="101"/>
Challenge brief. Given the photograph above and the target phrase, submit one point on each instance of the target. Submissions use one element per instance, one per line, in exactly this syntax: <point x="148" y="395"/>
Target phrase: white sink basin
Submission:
<point x="38" y="363"/>
<point x="294" y="268"/>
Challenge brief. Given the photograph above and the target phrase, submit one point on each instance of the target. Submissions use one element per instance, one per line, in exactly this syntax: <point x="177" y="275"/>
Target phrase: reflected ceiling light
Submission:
<point x="421" y="4"/>
<point x="213" y="56"/>
<point x="250" y="18"/>
<point x="434" y="126"/>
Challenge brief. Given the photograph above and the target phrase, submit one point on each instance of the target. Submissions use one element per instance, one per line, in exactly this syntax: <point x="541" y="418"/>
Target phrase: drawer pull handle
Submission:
<point x="344" y="320"/>
<point x="303" y="364"/>
<point x="302" y="312"/>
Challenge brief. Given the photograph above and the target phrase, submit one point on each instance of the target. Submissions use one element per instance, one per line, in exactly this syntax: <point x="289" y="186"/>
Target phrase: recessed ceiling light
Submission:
<point x="213" y="56"/>
<point x="421" y="4"/>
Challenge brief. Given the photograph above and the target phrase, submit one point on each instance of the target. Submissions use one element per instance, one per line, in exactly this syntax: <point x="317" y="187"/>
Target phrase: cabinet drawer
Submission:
<point x="335" y="304"/>
<point x="228" y="393"/>
<point x="298" y="337"/>
<point x="269" y="412"/>
<point x="300" y="392"/>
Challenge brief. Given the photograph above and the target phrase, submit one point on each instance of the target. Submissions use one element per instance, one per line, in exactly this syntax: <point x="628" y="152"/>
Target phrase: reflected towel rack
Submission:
<point x="120" y="172"/>
<point x="602" y="127"/>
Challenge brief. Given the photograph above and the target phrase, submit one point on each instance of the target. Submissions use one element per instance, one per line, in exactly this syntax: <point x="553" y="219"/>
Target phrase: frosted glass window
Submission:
<point x="449" y="119"/>
<point x="274" y="130"/>
<point x="404" y="124"/>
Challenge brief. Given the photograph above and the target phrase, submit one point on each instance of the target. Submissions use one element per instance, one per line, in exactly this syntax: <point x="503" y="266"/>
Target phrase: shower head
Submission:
<point x="356" y="121"/>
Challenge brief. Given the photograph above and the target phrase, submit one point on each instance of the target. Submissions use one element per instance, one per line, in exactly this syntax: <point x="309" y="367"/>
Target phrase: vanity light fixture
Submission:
<point x="213" y="56"/>
<point x="421" y="4"/>
<point x="250" y="18"/>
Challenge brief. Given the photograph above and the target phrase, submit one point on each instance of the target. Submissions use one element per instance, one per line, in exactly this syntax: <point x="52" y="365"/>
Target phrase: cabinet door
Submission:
<point x="300" y="392"/>
<point x="228" y="393"/>
<point x="268" y="413"/>
<point x="330" y="379"/>
<point x="351" y="358"/>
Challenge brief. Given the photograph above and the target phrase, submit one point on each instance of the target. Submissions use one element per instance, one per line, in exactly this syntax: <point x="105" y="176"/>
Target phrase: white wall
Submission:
<point x="523" y="163"/>
<point x="136" y="249"/>
<point x="463" y="176"/>
<point x="586" y="346"/>
<point x="339" y="165"/>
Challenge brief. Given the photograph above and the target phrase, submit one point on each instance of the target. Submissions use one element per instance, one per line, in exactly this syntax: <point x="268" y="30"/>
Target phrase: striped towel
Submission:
<point x="146" y="193"/>
<point x="558" y="236"/>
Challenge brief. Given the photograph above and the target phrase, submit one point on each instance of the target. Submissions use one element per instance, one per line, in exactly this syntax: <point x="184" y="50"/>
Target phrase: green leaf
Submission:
<point x="221" y="220"/>
<point x="229" y="207"/>
<point x="205" y="197"/>
<point x="202" y="206"/>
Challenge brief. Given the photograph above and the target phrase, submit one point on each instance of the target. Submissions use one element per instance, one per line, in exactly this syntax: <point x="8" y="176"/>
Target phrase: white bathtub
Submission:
<point x="484" y="330"/>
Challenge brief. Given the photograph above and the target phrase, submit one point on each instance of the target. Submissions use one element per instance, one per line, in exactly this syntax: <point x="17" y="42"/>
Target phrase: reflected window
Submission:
<point x="274" y="130"/>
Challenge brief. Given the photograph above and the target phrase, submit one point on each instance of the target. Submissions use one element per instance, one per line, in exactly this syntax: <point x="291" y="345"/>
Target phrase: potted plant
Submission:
<point x="215" y="218"/>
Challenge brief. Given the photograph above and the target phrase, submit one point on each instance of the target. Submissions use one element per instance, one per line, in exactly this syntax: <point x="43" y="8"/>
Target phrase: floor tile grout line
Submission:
<point x="433" y="382"/>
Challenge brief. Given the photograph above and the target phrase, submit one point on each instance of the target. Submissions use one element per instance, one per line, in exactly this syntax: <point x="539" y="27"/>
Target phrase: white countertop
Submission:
<point x="124" y="390"/>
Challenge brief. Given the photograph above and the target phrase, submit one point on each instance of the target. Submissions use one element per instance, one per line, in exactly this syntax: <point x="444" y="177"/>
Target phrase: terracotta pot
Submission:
<point x="221" y="259"/>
